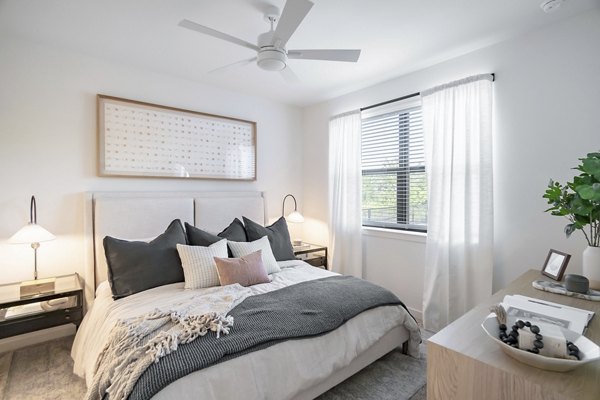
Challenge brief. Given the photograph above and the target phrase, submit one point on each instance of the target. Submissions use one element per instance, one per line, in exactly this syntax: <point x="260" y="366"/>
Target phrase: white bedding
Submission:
<point x="278" y="372"/>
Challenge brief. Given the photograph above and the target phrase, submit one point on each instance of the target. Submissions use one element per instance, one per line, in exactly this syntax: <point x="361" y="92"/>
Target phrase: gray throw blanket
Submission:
<point x="306" y="309"/>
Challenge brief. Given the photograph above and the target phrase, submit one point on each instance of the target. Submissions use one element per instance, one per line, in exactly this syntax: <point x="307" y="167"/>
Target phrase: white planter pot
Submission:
<point x="591" y="266"/>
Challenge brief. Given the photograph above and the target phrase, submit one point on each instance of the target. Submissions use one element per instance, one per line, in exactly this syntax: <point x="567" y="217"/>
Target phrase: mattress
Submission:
<point x="281" y="371"/>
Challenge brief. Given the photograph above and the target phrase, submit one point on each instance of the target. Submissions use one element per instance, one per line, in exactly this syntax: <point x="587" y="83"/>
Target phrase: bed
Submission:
<point x="294" y="369"/>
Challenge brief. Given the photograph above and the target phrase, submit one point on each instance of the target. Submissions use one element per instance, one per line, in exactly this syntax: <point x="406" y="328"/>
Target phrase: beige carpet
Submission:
<point x="395" y="376"/>
<point x="44" y="371"/>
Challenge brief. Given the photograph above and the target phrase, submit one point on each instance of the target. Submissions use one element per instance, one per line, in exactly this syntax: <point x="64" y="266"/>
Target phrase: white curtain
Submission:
<point x="345" y="221"/>
<point x="458" y="159"/>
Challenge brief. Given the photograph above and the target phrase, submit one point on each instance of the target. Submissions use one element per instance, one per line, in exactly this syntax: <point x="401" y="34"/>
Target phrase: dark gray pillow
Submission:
<point x="137" y="266"/>
<point x="234" y="232"/>
<point x="278" y="234"/>
<point x="198" y="237"/>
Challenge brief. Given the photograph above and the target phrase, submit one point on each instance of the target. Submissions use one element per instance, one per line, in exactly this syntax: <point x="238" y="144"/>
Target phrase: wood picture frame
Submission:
<point x="555" y="264"/>
<point x="137" y="139"/>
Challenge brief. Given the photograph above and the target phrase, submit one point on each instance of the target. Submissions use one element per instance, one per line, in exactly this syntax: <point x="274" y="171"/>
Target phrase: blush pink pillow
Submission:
<point x="247" y="270"/>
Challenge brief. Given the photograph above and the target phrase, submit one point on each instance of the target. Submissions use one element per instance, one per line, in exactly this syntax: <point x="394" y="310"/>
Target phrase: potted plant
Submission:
<point x="579" y="202"/>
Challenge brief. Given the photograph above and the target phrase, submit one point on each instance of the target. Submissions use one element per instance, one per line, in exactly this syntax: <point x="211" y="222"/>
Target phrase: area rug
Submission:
<point x="395" y="376"/>
<point x="40" y="372"/>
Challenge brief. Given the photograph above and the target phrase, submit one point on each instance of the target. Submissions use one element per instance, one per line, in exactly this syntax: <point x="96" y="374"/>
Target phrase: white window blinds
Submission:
<point x="394" y="184"/>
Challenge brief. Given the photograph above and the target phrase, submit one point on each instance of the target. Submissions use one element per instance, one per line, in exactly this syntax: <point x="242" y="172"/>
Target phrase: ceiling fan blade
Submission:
<point x="292" y="15"/>
<point x="289" y="75"/>
<point x="232" y="65"/>
<point x="219" y="35"/>
<point x="328" y="55"/>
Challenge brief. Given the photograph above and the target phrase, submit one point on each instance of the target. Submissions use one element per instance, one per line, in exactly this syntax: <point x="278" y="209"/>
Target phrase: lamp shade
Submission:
<point x="295" y="216"/>
<point x="31" y="233"/>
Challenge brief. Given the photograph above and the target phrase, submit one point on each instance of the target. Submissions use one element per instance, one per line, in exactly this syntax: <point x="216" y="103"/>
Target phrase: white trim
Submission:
<point x="395" y="234"/>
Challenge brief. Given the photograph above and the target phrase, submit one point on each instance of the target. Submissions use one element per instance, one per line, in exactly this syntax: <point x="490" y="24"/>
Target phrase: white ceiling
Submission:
<point x="396" y="36"/>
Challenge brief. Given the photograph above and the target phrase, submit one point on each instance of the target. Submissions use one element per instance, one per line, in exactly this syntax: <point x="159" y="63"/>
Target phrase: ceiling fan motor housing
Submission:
<point x="270" y="57"/>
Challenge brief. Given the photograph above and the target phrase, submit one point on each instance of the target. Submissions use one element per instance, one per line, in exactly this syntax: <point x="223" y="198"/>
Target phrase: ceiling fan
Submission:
<point x="272" y="54"/>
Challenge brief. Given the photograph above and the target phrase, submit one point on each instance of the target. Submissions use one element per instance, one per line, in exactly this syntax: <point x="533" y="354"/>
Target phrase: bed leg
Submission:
<point x="405" y="347"/>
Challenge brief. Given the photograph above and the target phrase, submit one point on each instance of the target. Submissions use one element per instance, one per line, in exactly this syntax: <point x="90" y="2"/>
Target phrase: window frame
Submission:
<point x="403" y="172"/>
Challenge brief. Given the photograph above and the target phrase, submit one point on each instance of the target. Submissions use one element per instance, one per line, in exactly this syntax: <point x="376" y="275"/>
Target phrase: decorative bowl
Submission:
<point x="587" y="349"/>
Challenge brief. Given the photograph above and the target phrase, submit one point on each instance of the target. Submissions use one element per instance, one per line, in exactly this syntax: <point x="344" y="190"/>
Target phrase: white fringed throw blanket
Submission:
<point x="135" y="343"/>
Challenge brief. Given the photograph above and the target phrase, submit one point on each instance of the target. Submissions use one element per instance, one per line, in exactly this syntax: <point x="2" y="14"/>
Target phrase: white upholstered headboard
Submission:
<point x="143" y="215"/>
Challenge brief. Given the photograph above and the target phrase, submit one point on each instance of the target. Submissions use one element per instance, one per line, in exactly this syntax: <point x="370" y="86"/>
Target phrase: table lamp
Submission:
<point x="294" y="217"/>
<point x="33" y="234"/>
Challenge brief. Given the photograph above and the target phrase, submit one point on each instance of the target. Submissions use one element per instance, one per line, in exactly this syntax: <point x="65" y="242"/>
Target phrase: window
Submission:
<point x="394" y="183"/>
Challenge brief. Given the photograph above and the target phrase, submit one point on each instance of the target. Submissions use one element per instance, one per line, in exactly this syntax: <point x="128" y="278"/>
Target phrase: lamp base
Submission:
<point x="38" y="286"/>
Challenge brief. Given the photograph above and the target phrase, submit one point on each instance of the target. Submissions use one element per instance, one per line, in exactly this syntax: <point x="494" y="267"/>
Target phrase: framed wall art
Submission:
<point x="147" y="140"/>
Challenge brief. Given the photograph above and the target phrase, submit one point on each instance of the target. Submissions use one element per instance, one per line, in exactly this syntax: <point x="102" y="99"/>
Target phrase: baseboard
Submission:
<point x="27" y="339"/>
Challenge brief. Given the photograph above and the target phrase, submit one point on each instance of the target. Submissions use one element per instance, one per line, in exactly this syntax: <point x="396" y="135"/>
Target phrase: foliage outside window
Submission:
<point x="394" y="183"/>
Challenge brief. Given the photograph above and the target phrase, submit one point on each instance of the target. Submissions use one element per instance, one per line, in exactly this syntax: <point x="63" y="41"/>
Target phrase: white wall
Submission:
<point x="547" y="98"/>
<point x="48" y="145"/>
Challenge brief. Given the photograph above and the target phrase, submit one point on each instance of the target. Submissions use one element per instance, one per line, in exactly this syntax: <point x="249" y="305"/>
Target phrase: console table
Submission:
<point x="463" y="363"/>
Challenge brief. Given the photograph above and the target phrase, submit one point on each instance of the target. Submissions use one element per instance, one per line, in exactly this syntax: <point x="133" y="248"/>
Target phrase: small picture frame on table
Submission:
<point x="555" y="264"/>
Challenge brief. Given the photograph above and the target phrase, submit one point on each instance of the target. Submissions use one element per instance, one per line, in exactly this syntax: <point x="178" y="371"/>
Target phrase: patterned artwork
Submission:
<point x="139" y="139"/>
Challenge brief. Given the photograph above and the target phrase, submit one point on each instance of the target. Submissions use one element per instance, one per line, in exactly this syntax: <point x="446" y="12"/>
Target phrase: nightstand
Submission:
<point x="28" y="313"/>
<point x="313" y="254"/>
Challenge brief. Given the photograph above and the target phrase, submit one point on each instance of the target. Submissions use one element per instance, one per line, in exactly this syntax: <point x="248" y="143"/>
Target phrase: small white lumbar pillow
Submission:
<point x="198" y="262"/>
<point x="241" y="249"/>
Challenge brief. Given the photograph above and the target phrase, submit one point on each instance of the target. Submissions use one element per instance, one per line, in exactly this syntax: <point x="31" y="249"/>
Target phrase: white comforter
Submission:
<point x="278" y="372"/>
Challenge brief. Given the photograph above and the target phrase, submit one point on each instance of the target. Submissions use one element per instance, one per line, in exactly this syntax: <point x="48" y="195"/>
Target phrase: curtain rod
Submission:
<point x="404" y="98"/>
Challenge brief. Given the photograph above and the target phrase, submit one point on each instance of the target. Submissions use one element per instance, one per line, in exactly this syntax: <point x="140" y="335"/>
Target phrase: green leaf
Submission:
<point x="592" y="167"/>
<point x="583" y="180"/>
<point x="553" y="193"/>
<point x="589" y="192"/>
<point x="581" y="207"/>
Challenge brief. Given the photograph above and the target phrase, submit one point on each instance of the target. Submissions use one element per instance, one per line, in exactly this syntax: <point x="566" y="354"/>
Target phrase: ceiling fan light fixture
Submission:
<point x="272" y="53"/>
<point x="272" y="60"/>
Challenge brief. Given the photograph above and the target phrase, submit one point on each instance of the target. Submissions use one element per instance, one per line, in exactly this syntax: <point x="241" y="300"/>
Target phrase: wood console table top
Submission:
<point x="463" y="363"/>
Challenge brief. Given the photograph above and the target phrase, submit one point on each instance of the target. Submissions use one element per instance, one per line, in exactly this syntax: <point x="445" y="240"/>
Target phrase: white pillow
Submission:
<point x="241" y="249"/>
<point x="198" y="262"/>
